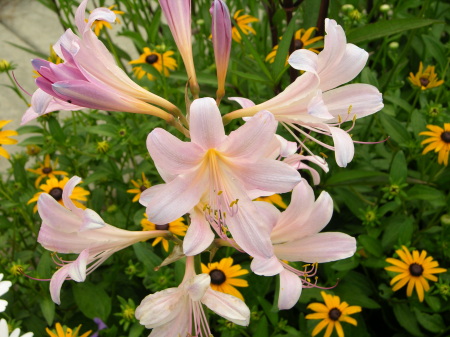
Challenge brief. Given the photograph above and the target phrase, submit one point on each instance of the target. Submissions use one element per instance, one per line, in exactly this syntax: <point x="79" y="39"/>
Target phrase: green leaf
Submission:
<point x="406" y="319"/>
<point x="146" y="255"/>
<point x="436" y="49"/>
<point x="263" y="328"/>
<point x="56" y="130"/>
<point x="427" y="193"/>
<point x="353" y="176"/>
<point x="433" y="323"/>
<point x="104" y="130"/>
<point x="249" y="76"/>
<point x="398" y="229"/>
<point x="48" y="309"/>
<point x="136" y="330"/>
<point x="92" y="300"/>
<point x="268" y="310"/>
<point x="346" y="264"/>
<point x="35" y="140"/>
<point x="418" y="122"/>
<point x="21" y="130"/>
<point x="371" y="245"/>
<point x="381" y="29"/>
<point x="399" y="169"/>
<point x="283" y="50"/>
<point x="395" y="130"/>
<point x="397" y="101"/>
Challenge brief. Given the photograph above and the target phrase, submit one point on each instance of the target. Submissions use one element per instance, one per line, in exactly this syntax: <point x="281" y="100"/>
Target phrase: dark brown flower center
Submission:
<point x="143" y="188"/>
<point x="334" y="314"/>
<point x="415" y="269"/>
<point x="162" y="227"/>
<point x="217" y="276"/>
<point x="152" y="58"/>
<point x="445" y="136"/>
<point x="424" y="81"/>
<point x="298" y="44"/>
<point x="56" y="193"/>
<point x="47" y="170"/>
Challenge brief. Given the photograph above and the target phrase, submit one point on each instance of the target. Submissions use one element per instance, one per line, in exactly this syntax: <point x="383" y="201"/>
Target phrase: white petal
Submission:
<point x="266" y="267"/>
<point x="3" y="305"/>
<point x="227" y="306"/>
<point x="56" y="283"/>
<point x="198" y="236"/>
<point x="303" y="59"/>
<point x="343" y="144"/>
<point x="290" y="290"/>
<point x="4" y="328"/>
<point x="91" y="220"/>
<point x="197" y="286"/>
<point x="4" y="287"/>
<point x="77" y="270"/>
<point x="243" y="102"/>
<point x="67" y="192"/>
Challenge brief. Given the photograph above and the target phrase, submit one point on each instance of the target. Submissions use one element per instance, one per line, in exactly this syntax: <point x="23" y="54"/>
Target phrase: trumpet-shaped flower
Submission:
<point x="216" y="173"/>
<point x="178" y="16"/>
<point x="89" y="77"/>
<point x="314" y="102"/>
<point x="221" y="38"/>
<point x="80" y="231"/>
<point x="295" y="237"/>
<point x="179" y="311"/>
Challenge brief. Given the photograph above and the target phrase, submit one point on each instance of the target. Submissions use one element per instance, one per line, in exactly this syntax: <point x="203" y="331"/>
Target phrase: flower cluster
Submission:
<point x="211" y="178"/>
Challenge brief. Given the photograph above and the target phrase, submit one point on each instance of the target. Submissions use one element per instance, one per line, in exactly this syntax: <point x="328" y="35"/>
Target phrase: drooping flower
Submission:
<point x="313" y="100"/>
<point x="295" y="237"/>
<point x="438" y="140"/>
<point x="425" y="79"/>
<point x="332" y="313"/>
<point x="46" y="170"/>
<point x="302" y="39"/>
<point x="224" y="276"/>
<point x="178" y="16"/>
<point x="4" y="138"/>
<point x="99" y="24"/>
<point x="55" y="187"/>
<point x="61" y="331"/>
<point x="141" y="185"/>
<point x="4" y="331"/>
<point x="221" y="38"/>
<point x="415" y="269"/>
<point x="89" y="76"/>
<point x="243" y="22"/>
<point x="175" y="312"/>
<point x="161" y="61"/>
<point x="217" y="172"/>
<point x="177" y="227"/>
<point x="4" y="287"/>
<point x="74" y="230"/>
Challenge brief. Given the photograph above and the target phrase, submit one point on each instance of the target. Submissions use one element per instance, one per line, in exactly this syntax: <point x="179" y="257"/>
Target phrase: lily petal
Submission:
<point x="227" y="306"/>
<point x="290" y="290"/>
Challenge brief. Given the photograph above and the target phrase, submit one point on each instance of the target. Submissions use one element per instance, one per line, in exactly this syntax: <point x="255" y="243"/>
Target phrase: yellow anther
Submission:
<point x="339" y="119"/>
<point x="350" y="109"/>
<point x="323" y="155"/>
<point x="234" y="202"/>
<point x="219" y="193"/>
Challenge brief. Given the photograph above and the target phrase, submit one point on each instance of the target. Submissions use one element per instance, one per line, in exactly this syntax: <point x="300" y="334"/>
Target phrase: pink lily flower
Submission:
<point x="295" y="237"/>
<point x="221" y="38"/>
<point x="74" y="230"/>
<point x="89" y="77"/>
<point x="297" y="162"/>
<point x="216" y="172"/>
<point x="178" y="16"/>
<point x="313" y="101"/>
<point x="179" y="311"/>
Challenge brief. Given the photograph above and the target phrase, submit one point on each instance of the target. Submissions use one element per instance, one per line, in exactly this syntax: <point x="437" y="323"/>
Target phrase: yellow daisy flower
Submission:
<point x="439" y="139"/>
<point x="414" y="270"/>
<point x="302" y="39"/>
<point x="425" y="79"/>
<point x="55" y="187"/>
<point x="243" y="22"/>
<point x="4" y="138"/>
<point x="99" y="24"/>
<point x="332" y="313"/>
<point x="161" y="62"/>
<point x="274" y="199"/>
<point x="66" y="332"/>
<point x="224" y="276"/>
<point x="46" y="170"/>
<point x="176" y="227"/>
<point x="141" y="185"/>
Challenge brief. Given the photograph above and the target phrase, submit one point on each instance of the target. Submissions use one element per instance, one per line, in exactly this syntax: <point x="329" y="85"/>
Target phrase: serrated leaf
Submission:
<point x="381" y="29"/>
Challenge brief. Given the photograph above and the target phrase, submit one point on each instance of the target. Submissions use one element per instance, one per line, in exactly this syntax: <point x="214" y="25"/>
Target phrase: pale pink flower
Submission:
<point x="313" y="102"/>
<point x="297" y="161"/>
<point x="89" y="76"/>
<point x="178" y="16"/>
<point x="179" y="311"/>
<point x="74" y="230"/>
<point x="295" y="237"/>
<point x="216" y="173"/>
<point x="221" y="38"/>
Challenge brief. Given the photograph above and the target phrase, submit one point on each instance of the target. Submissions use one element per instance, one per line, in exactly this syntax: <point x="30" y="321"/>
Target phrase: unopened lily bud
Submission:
<point x="221" y="38"/>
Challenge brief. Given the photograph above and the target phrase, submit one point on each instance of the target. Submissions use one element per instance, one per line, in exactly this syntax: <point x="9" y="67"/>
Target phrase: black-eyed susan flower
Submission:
<point x="425" y="79"/>
<point x="243" y="22"/>
<point x="224" y="276"/>
<point x="302" y="39"/>
<point x="47" y="170"/>
<point x="61" y="331"/>
<point x="4" y="138"/>
<point x="55" y="187"/>
<point x="99" y="24"/>
<point x="415" y="269"/>
<point x="332" y="313"/>
<point x="176" y="227"/>
<point x="274" y="199"/>
<point x="141" y="185"/>
<point x="161" y="61"/>
<point x="438" y="140"/>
